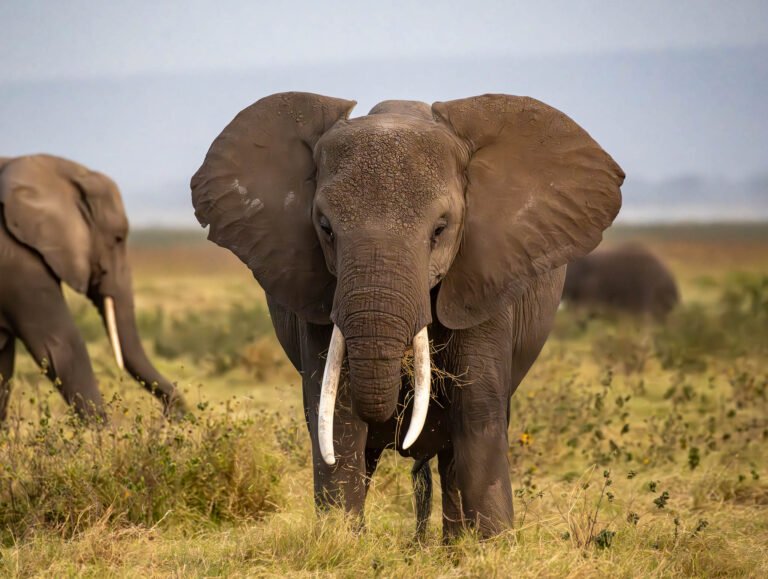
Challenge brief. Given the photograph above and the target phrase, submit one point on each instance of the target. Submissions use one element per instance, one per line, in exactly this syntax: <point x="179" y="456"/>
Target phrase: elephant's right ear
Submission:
<point x="255" y="190"/>
<point x="540" y="191"/>
<point x="44" y="210"/>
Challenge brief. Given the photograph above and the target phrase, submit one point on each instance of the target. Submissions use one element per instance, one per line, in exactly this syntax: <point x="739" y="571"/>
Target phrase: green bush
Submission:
<point x="736" y="326"/>
<point x="222" y="339"/>
<point x="68" y="477"/>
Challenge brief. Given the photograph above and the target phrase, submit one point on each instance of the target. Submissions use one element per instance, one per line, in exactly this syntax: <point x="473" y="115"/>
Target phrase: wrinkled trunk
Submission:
<point x="381" y="303"/>
<point x="134" y="357"/>
<point x="374" y="369"/>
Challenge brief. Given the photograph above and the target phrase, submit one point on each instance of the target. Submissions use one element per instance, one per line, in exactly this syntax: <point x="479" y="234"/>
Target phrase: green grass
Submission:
<point x="635" y="450"/>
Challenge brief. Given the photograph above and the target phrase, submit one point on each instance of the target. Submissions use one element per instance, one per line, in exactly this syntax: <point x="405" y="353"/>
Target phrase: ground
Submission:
<point x="635" y="449"/>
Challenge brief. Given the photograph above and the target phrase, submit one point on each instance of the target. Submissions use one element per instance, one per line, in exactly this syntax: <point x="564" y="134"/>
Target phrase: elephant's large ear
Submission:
<point x="44" y="209"/>
<point x="255" y="190"/>
<point x="104" y="202"/>
<point x="540" y="191"/>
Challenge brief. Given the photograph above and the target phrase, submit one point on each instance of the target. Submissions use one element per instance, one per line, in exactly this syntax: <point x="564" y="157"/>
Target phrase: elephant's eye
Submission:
<point x="325" y="225"/>
<point x="439" y="228"/>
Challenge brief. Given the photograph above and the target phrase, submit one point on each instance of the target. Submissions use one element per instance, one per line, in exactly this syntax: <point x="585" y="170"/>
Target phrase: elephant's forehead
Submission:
<point x="390" y="166"/>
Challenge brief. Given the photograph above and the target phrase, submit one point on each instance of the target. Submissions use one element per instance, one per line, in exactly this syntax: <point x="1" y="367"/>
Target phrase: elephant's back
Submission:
<point x="631" y="277"/>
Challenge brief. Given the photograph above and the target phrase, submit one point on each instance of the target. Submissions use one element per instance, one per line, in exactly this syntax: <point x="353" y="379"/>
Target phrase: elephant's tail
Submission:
<point x="421" y="475"/>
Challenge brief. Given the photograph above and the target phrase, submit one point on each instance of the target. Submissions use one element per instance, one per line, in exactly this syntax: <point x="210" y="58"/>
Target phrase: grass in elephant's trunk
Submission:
<point x="440" y="378"/>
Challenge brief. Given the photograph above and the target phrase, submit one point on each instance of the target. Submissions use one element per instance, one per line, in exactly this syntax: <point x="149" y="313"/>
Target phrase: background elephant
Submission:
<point x="63" y="222"/>
<point x="627" y="277"/>
<point x="370" y="234"/>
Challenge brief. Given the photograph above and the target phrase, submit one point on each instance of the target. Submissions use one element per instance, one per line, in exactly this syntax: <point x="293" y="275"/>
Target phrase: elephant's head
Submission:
<point x="355" y="221"/>
<point x="74" y="218"/>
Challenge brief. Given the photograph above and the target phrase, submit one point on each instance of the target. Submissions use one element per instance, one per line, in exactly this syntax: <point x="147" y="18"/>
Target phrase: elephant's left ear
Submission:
<point x="104" y="201"/>
<point x="43" y="209"/>
<point x="540" y="191"/>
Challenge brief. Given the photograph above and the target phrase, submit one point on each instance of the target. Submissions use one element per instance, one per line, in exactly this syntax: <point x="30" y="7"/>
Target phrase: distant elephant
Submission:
<point x="626" y="278"/>
<point x="373" y="235"/>
<point x="62" y="222"/>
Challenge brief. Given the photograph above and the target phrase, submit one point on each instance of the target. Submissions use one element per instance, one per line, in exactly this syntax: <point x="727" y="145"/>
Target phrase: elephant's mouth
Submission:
<point x="422" y="385"/>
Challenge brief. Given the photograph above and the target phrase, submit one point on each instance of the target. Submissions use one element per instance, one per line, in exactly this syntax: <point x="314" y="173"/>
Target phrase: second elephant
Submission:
<point x="61" y="222"/>
<point x="626" y="278"/>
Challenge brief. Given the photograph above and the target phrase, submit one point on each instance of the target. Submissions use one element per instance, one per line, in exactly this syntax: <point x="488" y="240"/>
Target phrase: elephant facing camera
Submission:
<point x="441" y="229"/>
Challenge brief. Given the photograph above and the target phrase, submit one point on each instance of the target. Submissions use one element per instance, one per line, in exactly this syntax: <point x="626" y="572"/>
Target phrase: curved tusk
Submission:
<point x="114" y="338"/>
<point x="422" y="379"/>
<point x="328" y="395"/>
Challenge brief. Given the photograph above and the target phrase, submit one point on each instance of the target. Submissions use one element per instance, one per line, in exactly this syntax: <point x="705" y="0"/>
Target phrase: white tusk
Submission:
<point x="422" y="379"/>
<point x="328" y="395"/>
<point x="114" y="338"/>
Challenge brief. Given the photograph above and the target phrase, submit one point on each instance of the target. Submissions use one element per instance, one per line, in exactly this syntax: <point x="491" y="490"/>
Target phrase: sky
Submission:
<point x="139" y="89"/>
<point x="54" y="39"/>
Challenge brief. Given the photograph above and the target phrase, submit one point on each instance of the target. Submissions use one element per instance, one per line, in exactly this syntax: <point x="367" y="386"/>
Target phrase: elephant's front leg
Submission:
<point x="43" y="323"/>
<point x="480" y="466"/>
<point x="343" y="484"/>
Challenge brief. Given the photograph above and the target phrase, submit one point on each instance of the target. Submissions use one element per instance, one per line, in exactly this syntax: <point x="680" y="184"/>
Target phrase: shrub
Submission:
<point x="68" y="477"/>
<point x="223" y="340"/>
<point x="736" y="326"/>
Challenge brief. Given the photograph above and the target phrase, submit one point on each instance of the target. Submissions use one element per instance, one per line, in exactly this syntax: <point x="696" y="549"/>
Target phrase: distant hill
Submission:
<point x="696" y="198"/>
<point x="659" y="114"/>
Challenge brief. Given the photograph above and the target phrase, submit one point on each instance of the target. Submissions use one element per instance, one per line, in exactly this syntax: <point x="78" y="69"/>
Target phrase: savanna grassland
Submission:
<point x="635" y="450"/>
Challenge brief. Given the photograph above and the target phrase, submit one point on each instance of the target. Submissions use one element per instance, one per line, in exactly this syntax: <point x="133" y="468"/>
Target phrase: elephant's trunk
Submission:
<point x="375" y="366"/>
<point x="136" y="361"/>
<point x="114" y="300"/>
<point x="381" y="307"/>
<point x="381" y="303"/>
<point x="330" y="384"/>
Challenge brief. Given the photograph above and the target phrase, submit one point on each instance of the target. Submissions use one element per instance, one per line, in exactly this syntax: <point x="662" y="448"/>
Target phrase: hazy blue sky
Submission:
<point x="55" y="38"/>
<point x="676" y="91"/>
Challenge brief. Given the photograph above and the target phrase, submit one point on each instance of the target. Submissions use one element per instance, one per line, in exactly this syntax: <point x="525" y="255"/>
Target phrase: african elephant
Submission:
<point x="61" y="222"/>
<point x="626" y="278"/>
<point x="375" y="235"/>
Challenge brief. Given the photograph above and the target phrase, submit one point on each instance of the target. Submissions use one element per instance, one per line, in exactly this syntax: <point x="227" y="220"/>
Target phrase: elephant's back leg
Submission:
<point x="421" y="477"/>
<point x="41" y="319"/>
<point x="7" y="357"/>
<point x="452" y="511"/>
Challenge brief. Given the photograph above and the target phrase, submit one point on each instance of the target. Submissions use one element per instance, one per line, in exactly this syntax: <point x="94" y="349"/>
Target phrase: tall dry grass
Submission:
<point x="635" y="449"/>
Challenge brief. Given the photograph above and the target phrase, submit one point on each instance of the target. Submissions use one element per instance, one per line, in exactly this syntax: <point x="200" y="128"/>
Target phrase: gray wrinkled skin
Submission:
<point x="460" y="217"/>
<point x="61" y="222"/>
